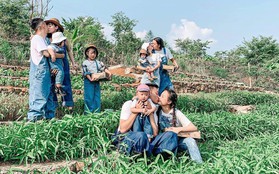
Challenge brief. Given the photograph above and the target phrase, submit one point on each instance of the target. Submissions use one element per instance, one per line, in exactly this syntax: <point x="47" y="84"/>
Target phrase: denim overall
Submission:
<point x="131" y="142"/>
<point x="67" y="100"/>
<point x="142" y="124"/>
<point x="184" y="144"/>
<point x="41" y="103"/>
<point x="58" y="64"/>
<point x="165" y="82"/>
<point x="92" y="94"/>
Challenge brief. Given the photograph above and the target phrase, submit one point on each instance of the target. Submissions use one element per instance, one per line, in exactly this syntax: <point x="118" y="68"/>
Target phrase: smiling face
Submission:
<point x="164" y="98"/>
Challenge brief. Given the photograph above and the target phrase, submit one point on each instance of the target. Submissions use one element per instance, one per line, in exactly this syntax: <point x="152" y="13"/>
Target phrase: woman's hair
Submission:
<point x="173" y="99"/>
<point x="159" y="42"/>
<point x="35" y="23"/>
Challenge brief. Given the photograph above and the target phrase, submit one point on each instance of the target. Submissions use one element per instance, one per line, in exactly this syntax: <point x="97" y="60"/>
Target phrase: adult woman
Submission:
<point x="54" y="25"/>
<point x="159" y="47"/>
<point x="170" y="119"/>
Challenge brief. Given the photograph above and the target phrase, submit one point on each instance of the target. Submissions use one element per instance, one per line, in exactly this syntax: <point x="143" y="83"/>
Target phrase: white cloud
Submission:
<point x="107" y="31"/>
<point x="141" y="34"/>
<point x="188" y="29"/>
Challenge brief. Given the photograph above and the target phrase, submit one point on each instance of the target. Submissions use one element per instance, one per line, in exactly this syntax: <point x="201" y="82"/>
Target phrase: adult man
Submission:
<point x="128" y="141"/>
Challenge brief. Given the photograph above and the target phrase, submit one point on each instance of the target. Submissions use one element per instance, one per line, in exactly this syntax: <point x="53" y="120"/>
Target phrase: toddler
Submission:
<point x="56" y="46"/>
<point x="142" y="122"/>
<point x="144" y="63"/>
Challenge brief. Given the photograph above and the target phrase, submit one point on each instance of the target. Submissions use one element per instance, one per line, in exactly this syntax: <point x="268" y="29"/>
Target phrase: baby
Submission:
<point x="144" y="63"/>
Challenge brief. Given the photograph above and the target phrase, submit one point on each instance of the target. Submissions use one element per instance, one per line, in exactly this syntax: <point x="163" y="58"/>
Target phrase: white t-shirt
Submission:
<point x="38" y="45"/>
<point x="154" y="58"/>
<point x="181" y="119"/>
<point x="149" y="100"/>
<point x="126" y="111"/>
<point x="161" y="53"/>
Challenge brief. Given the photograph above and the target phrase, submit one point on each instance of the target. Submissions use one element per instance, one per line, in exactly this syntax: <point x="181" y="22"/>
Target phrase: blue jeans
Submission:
<point x="92" y="96"/>
<point x="190" y="145"/>
<point x="166" y="141"/>
<point x="131" y="142"/>
<point x="142" y="124"/>
<point x="183" y="144"/>
<point x="165" y="82"/>
<point x="41" y="103"/>
<point x="58" y="64"/>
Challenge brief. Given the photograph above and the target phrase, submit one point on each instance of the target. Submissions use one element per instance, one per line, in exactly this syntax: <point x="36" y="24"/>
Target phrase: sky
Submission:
<point x="227" y="23"/>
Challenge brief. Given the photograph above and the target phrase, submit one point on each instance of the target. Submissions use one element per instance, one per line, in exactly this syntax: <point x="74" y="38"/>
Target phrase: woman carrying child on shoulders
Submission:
<point x="92" y="90"/>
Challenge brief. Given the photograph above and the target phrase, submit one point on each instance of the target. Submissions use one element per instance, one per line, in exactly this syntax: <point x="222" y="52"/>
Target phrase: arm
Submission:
<point x="108" y="72"/>
<point x="70" y="53"/>
<point x="189" y="128"/>
<point x="52" y="54"/>
<point x="127" y="118"/>
<point x="135" y="109"/>
<point x="157" y="66"/>
<point x="153" y="125"/>
<point x="58" y="55"/>
<point x="175" y="64"/>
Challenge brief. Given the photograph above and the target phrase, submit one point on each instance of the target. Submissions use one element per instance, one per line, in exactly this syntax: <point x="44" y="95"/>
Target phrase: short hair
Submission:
<point x="35" y="23"/>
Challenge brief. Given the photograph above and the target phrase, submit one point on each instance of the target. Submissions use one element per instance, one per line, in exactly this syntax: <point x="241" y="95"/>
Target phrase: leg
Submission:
<point x="88" y="96"/>
<point x="133" y="142"/>
<point x="190" y="145"/>
<point x="138" y="124"/>
<point x="97" y="97"/>
<point x="163" y="142"/>
<point x="68" y="98"/>
<point x="147" y="127"/>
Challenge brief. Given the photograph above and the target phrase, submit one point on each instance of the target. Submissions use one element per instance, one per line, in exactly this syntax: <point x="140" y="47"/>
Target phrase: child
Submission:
<point x="92" y="90"/>
<point x="142" y="122"/>
<point x="144" y="63"/>
<point x="56" y="46"/>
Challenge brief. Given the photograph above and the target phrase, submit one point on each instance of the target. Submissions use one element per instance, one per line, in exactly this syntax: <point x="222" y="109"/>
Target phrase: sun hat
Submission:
<point x="143" y="88"/>
<point x="144" y="46"/>
<point x="91" y="46"/>
<point x="56" y="22"/>
<point x="58" y="37"/>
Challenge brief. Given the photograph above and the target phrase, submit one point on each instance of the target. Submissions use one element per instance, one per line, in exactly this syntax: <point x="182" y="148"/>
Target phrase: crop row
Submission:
<point x="253" y="148"/>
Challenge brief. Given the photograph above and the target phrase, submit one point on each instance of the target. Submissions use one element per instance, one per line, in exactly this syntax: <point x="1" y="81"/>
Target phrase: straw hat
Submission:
<point x="58" y="37"/>
<point x="91" y="46"/>
<point x="56" y="22"/>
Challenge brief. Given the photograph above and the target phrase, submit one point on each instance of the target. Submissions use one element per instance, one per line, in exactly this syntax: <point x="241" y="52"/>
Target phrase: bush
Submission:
<point x="220" y="72"/>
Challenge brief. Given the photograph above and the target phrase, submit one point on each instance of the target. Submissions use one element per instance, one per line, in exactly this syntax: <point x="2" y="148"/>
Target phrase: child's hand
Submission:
<point x="148" y="112"/>
<point x="53" y="59"/>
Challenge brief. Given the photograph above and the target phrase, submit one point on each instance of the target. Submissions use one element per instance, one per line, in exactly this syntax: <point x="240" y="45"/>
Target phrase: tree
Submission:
<point x="14" y="19"/>
<point x="126" y="42"/>
<point x="149" y="36"/>
<point x="192" y="48"/>
<point x="87" y="30"/>
<point x="259" y="50"/>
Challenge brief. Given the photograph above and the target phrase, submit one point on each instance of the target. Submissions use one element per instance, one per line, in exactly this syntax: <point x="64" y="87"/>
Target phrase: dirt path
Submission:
<point x="73" y="165"/>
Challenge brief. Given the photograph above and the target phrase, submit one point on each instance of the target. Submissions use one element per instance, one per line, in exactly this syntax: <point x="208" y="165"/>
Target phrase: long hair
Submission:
<point x="173" y="99"/>
<point x="159" y="42"/>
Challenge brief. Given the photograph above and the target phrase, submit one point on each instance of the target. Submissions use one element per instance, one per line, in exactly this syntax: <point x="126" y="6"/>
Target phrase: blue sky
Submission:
<point x="226" y="23"/>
